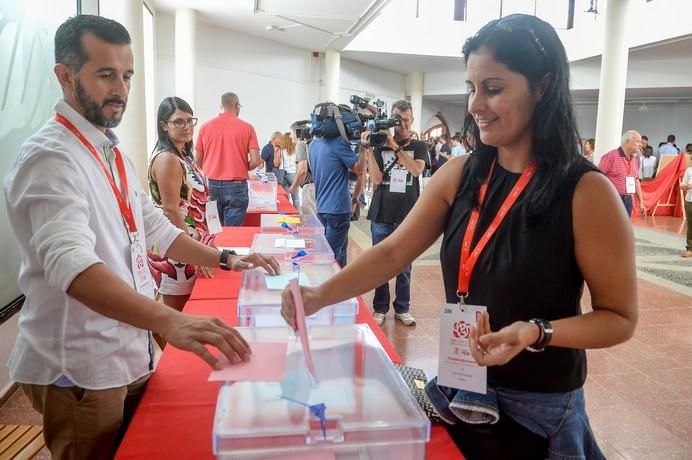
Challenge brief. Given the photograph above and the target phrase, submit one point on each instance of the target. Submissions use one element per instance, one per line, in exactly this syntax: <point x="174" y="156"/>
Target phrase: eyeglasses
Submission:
<point x="181" y="123"/>
<point x="516" y="23"/>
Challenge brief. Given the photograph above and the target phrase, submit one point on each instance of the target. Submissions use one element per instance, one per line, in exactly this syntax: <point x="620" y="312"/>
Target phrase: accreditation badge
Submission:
<point x="140" y="267"/>
<point x="397" y="180"/>
<point x="629" y="185"/>
<point x="457" y="368"/>
<point x="212" y="215"/>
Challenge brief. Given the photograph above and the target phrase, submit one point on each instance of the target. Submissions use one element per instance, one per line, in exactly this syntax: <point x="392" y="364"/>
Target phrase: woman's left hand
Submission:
<point x="207" y="272"/>
<point x="497" y="348"/>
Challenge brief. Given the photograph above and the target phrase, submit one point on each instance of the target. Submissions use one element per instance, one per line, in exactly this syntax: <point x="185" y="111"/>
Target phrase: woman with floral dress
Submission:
<point x="180" y="189"/>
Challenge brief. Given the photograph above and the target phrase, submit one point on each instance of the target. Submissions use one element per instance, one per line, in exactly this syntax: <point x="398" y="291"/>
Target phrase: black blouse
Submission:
<point x="527" y="270"/>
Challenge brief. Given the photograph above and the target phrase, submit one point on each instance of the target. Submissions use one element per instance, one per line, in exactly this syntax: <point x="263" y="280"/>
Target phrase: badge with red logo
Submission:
<point x="140" y="268"/>
<point x="457" y="368"/>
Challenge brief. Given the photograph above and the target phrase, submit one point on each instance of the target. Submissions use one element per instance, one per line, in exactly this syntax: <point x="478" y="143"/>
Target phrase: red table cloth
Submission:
<point x="174" y="419"/>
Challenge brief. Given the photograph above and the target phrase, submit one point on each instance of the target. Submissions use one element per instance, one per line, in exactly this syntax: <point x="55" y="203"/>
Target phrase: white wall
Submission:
<point x="362" y="79"/>
<point x="453" y="114"/>
<point x="277" y="84"/>
<point x="656" y="122"/>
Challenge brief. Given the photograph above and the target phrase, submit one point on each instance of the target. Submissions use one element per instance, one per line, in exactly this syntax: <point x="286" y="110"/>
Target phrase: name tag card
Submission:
<point x="140" y="268"/>
<point x="397" y="180"/>
<point x="457" y="368"/>
<point x="212" y="215"/>
<point x="629" y="185"/>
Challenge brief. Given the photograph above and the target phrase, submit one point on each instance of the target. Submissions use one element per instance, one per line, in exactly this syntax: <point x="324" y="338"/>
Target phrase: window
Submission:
<point x="559" y="13"/>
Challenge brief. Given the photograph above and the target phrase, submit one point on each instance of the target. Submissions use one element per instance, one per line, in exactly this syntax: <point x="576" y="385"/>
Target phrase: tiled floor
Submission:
<point x="639" y="394"/>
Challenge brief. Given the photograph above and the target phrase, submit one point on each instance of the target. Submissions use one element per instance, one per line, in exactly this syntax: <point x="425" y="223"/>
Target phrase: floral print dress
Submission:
<point x="172" y="277"/>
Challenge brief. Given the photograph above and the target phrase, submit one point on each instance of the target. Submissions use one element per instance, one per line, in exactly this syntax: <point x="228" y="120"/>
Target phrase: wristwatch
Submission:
<point x="397" y="150"/>
<point x="223" y="259"/>
<point x="546" y="333"/>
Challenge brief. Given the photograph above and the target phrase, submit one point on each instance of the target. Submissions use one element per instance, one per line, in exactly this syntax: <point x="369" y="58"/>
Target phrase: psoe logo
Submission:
<point x="461" y="330"/>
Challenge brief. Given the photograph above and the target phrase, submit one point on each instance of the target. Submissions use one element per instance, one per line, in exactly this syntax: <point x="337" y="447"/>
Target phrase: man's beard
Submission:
<point x="94" y="112"/>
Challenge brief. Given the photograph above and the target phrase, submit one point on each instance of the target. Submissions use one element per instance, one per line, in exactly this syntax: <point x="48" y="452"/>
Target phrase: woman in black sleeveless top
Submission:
<point x="566" y="227"/>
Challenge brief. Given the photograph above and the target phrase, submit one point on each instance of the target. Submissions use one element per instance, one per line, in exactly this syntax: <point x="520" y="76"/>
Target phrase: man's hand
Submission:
<point x="642" y="210"/>
<point x="269" y="263"/>
<point x="192" y="333"/>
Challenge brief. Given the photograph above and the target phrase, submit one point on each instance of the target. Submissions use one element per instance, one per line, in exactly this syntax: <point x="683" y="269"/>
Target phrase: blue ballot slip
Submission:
<point x="279" y="282"/>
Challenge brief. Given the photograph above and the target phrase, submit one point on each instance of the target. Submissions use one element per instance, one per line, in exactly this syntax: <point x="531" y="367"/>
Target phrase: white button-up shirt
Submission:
<point x="66" y="219"/>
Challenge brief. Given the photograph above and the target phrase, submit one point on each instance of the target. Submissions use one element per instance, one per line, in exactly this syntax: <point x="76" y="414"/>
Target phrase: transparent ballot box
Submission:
<point x="315" y="248"/>
<point x="262" y="195"/>
<point x="370" y="413"/>
<point x="303" y="224"/>
<point x="259" y="299"/>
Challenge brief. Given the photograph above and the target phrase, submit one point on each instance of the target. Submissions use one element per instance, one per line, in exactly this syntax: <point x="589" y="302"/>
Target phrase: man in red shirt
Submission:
<point x="622" y="168"/>
<point x="227" y="149"/>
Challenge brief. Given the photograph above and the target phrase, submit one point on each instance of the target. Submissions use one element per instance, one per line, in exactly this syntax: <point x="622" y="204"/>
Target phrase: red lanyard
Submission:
<point x="468" y="258"/>
<point x="121" y="197"/>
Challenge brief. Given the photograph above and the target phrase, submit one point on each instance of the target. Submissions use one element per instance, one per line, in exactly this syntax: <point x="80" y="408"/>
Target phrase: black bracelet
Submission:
<point x="223" y="259"/>
<point x="545" y="336"/>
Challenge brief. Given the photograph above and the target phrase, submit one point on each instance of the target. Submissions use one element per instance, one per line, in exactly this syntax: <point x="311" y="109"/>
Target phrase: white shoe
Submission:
<point x="379" y="318"/>
<point x="405" y="318"/>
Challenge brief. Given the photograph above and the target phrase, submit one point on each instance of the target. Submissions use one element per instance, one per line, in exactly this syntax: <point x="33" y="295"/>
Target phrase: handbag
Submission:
<point x="415" y="379"/>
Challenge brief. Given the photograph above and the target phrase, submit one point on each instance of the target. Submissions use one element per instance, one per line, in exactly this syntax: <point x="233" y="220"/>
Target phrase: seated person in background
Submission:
<point x="562" y="224"/>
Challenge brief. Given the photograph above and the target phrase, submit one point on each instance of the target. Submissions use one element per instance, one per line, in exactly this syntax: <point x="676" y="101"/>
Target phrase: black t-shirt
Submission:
<point x="391" y="207"/>
<point x="527" y="270"/>
<point x="268" y="157"/>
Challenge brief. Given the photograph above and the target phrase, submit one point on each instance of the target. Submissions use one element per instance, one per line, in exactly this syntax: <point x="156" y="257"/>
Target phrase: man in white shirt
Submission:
<point x="83" y="223"/>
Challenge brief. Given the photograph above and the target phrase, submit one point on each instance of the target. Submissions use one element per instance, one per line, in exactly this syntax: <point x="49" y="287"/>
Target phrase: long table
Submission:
<point x="174" y="419"/>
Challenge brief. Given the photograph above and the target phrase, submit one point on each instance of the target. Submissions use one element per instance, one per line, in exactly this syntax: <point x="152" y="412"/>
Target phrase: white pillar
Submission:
<point x="332" y="73"/>
<point x="185" y="56"/>
<point x="132" y="130"/>
<point x="611" y="96"/>
<point x="417" y="100"/>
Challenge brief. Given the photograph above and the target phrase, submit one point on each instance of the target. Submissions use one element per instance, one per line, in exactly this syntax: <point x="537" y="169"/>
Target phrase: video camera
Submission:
<point x="374" y="118"/>
<point x="302" y="129"/>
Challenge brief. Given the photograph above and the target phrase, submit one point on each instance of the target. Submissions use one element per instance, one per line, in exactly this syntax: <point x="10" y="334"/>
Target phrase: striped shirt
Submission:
<point x="617" y="167"/>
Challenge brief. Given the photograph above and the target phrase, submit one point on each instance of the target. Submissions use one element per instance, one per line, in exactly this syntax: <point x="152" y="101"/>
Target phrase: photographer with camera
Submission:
<point x="331" y="157"/>
<point x="394" y="164"/>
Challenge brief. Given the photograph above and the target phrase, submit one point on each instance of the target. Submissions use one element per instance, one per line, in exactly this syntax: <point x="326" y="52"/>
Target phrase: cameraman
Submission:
<point x="304" y="175"/>
<point x="394" y="170"/>
<point x="330" y="160"/>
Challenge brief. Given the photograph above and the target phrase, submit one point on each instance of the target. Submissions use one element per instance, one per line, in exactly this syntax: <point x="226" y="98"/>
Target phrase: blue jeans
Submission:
<point x="402" y="299"/>
<point x="295" y="196"/>
<point x="627" y="201"/>
<point x="336" y="231"/>
<point x="231" y="200"/>
<point x="558" y="417"/>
